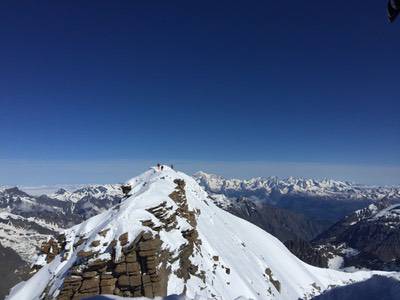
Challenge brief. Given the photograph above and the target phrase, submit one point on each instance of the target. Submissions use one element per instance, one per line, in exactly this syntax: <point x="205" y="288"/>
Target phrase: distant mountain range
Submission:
<point x="273" y="188"/>
<point x="325" y="201"/>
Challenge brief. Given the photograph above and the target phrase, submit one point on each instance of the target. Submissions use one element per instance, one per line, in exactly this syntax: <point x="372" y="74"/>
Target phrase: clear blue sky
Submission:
<point x="85" y="82"/>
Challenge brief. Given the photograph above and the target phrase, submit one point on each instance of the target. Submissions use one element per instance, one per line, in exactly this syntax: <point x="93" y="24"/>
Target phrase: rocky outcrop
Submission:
<point x="186" y="268"/>
<point x="52" y="248"/>
<point x="139" y="268"/>
<point x="134" y="273"/>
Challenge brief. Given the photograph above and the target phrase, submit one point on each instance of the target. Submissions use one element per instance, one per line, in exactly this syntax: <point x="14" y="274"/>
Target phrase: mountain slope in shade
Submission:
<point x="167" y="237"/>
<point x="281" y="223"/>
<point x="368" y="238"/>
<point x="12" y="270"/>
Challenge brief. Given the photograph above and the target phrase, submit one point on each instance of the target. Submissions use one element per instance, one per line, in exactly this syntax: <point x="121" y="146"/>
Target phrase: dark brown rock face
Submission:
<point x="51" y="249"/>
<point x="186" y="268"/>
<point x="134" y="273"/>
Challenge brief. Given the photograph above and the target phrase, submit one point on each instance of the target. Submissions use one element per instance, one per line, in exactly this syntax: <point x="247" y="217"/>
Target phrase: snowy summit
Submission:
<point x="168" y="237"/>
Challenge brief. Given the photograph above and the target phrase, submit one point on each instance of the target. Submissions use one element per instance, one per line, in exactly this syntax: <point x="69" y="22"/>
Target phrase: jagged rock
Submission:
<point x="90" y="285"/>
<point x="148" y="223"/>
<point x="80" y="242"/>
<point x="120" y="268"/>
<point x="95" y="243"/>
<point x="45" y="248"/>
<point x="275" y="282"/>
<point x="117" y="292"/>
<point x="147" y="235"/>
<point x="108" y="282"/>
<point x="132" y="267"/>
<point x="125" y="281"/>
<point x="76" y="270"/>
<point x="89" y="274"/>
<point x="147" y="253"/>
<point x="73" y="279"/>
<point x="123" y="239"/>
<point x="148" y="291"/>
<point x="149" y="245"/>
<point x="85" y="253"/>
<point x="131" y="257"/>
<point x="97" y="264"/>
<point x="107" y="275"/>
<point x="103" y="233"/>
<point x="107" y="290"/>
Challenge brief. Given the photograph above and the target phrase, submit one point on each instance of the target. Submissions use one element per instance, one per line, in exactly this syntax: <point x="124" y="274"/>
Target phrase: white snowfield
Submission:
<point x="245" y="249"/>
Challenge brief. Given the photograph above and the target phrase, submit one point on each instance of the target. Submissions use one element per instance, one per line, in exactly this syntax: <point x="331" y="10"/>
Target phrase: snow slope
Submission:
<point x="260" y="267"/>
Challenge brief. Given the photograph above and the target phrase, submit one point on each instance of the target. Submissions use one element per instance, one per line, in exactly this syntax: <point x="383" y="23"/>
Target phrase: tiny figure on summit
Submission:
<point x="158" y="166"/>
<point x="162" y="168"/>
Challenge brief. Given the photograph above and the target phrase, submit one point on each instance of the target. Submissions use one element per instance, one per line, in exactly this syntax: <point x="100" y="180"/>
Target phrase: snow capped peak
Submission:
<point x="168" y="237"/>
<point x="392" y="212"/>
<point x="61" y="191"/>
<point x="272" y="186"/>
<point x="98" y="191"/>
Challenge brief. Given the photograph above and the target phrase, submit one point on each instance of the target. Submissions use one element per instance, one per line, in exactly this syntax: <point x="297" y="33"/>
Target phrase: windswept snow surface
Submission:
<point x="245" y="249"/>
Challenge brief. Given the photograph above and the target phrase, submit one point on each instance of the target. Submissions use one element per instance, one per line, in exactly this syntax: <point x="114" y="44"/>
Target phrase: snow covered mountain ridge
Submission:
<point x="272" y="187"/>
<point x="168" y="237"/>
<point x="26" y="220"/>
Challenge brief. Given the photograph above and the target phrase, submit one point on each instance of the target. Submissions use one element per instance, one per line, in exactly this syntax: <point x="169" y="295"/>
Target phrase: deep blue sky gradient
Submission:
<point x="277" y="81"/>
